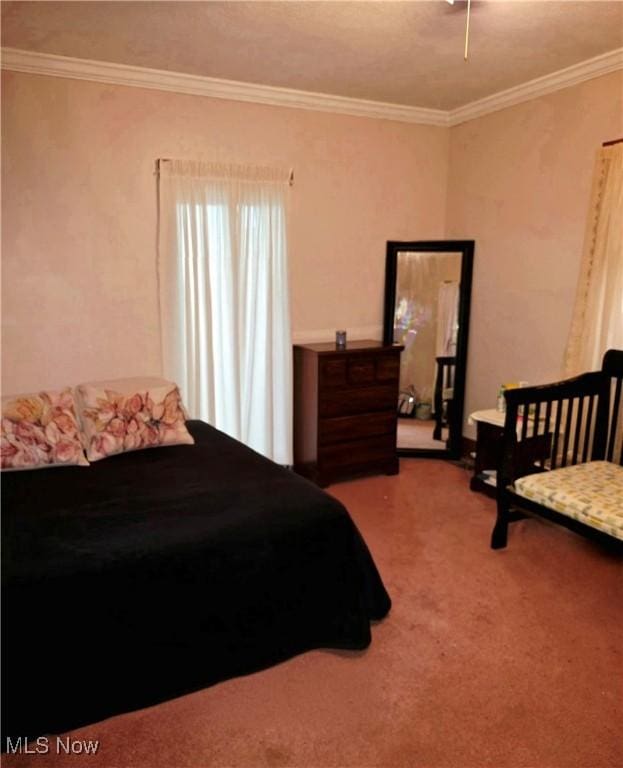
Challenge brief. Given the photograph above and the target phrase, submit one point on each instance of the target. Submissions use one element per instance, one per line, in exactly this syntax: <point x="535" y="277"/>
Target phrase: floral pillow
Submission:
<point x="40" y="430"/>
<point x="131" y="414"/>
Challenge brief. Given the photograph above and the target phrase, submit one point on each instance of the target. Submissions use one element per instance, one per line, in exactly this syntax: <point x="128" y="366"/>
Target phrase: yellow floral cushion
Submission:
<point x="129" y="415"/>
<point x="591" y="493"/>
<point x="40" y="430"/>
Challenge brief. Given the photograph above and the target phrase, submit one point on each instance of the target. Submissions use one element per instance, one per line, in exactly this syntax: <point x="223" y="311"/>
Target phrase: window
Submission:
<point x="224" y="299"/>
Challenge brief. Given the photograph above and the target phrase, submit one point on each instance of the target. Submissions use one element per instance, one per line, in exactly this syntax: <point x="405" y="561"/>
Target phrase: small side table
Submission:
<point x="489" y="433"/>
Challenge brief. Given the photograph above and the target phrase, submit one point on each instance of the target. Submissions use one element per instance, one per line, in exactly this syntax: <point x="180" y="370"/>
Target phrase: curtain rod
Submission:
<point x="168" y="160"/>
<point x="610" y="143"/>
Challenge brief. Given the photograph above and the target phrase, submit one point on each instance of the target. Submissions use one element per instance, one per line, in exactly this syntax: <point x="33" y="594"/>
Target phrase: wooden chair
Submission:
<point x="554" y="426"/>
<point x="444" y="393"/>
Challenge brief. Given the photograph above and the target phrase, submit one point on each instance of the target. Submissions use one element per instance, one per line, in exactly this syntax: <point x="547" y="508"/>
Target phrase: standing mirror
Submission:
<point x="427" y="298"/>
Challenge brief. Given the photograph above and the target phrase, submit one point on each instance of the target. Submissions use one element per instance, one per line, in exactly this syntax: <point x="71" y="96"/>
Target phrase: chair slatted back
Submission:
<point x="562" y="414"/>
<point x="569" y="422"/>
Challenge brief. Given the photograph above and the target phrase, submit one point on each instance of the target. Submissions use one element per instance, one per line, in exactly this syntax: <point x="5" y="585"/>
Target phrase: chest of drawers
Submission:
<point x="345" y="404"/>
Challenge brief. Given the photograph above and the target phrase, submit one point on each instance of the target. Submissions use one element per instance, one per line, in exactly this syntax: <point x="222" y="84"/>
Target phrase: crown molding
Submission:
<point x="195" y="85"/>
<point x="563" y="78"/>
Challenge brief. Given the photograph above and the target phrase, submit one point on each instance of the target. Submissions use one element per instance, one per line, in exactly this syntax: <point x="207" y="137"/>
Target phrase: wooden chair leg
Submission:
<point x="437" y="429"/>
<point x="500" y="531"/>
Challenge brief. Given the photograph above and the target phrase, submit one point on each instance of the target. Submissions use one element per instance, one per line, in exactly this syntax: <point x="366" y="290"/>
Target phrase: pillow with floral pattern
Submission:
<point x="129" y="415"/>
<point x="40" y="430"/>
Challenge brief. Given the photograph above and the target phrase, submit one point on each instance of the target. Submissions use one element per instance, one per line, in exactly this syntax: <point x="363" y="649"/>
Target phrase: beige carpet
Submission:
<point x="416" y="433"/>
<point x="508" y="659"/>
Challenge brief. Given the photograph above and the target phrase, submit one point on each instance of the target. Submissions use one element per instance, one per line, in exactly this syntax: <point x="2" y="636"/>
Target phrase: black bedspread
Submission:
<point x="155" y="573"/>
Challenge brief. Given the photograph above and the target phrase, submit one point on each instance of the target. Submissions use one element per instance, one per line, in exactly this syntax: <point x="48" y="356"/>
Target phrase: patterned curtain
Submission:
<point x="597" y="323"/>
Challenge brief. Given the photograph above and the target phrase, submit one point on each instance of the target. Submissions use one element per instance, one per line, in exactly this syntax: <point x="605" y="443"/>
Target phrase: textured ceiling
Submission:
<point x="400" y="52"/>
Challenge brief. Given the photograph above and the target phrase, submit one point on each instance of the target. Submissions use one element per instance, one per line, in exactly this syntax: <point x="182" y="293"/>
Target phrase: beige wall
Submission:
<point x="519" y="184"/>
<point x="79" y="215"/>
<point x="79" y="218"/>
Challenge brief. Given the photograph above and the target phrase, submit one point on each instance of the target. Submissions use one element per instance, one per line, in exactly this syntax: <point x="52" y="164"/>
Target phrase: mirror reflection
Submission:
<point x="427" y="298"/>
<point x="426" y="323"/>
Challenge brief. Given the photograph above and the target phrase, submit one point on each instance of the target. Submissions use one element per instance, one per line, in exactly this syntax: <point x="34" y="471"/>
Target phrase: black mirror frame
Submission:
<point x="466" y="248"/>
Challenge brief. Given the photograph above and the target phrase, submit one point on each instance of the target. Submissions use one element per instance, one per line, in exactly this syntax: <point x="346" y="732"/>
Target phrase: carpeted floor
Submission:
<point x="415" y="433"/>
<point x="508" y="659"/>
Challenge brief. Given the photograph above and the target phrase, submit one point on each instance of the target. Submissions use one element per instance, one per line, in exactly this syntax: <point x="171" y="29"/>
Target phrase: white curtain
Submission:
<point x="224" y="307"/>
<point x="447" y="323"/>
<point x="597" y="323"/>
<point x="447" y="319"/>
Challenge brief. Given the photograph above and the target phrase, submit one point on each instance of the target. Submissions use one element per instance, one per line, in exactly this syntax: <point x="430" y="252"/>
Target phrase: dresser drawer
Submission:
<point x="332" y="372"/>
<point x="358" y="370"/>
<point x="357" y="453"/>
<point x="347" y="402"/>
<point x="388" y="368"/>
<point x="347" y="428"/>
<point x="361" y="370"/>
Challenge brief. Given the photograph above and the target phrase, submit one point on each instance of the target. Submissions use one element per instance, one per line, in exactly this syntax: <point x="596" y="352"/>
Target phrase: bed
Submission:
<point x="159" y="572"/>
